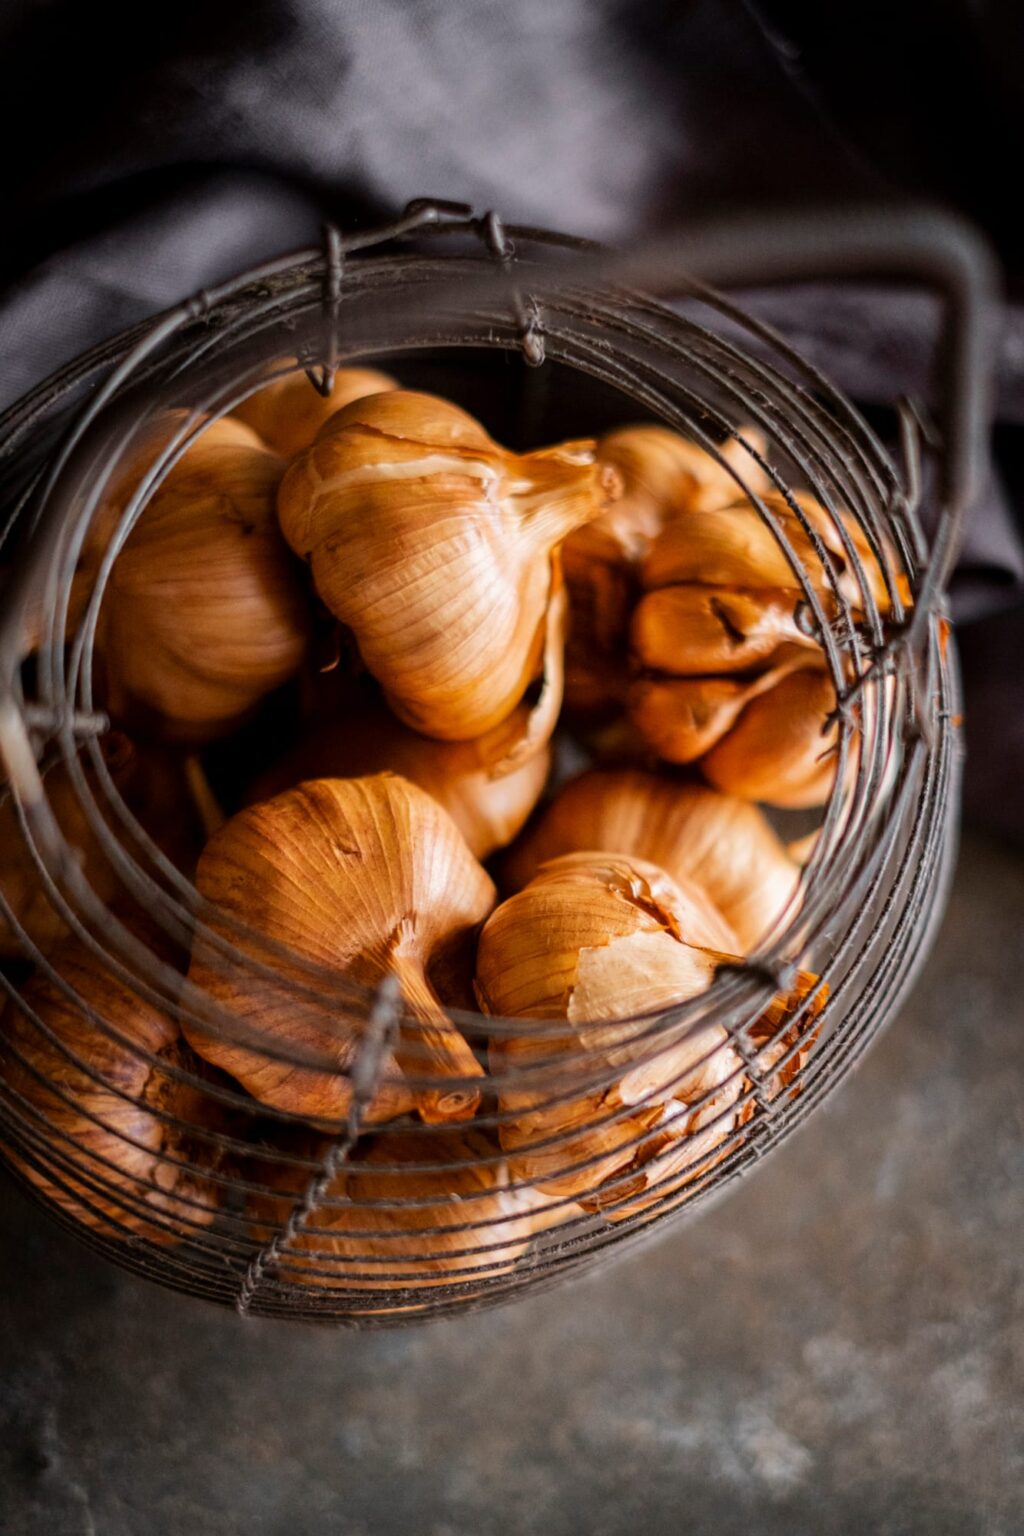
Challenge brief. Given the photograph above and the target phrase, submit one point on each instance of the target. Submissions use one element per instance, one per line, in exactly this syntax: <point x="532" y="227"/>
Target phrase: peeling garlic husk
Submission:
<point x="108" y="1154"/>
<point x="289" y="412"/>
<point x="360" y="1237"/>
<point x="364" y="878"/>
<point x="155" y="791"/>
<point x="717" y="842"/>
<point x="664" y="476"/>
<point x="434" y="546"/>
<point x="598" y="937"/>
<point x="203" y="614"/>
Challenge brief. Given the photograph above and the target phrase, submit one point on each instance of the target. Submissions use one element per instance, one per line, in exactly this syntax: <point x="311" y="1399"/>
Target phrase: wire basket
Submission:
<point x="168" y="1167"/>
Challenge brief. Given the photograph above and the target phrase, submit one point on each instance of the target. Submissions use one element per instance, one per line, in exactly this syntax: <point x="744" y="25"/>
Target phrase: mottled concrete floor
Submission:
<point x="834" y="1350"/>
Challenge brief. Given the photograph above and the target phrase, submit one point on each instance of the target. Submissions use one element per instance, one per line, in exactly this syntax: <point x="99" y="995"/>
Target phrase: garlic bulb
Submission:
<point x="779" y="750"/>
<point x="148" y="442"/>
<point x="664" y="476"/>
<point x="289" y="412"/>
<point x="665" y="473"/>
<point x="361" y="1236"/>
<point x="362" y="878"/>
<point x="434" y="545"/>
<point x="154" y="790"/>
<point x="487" y="806"/>
<point x="101" y="1110"/>
<point x="717" y="842"/>
<point x="204" y="613"/>
<point x="593" y="938"/>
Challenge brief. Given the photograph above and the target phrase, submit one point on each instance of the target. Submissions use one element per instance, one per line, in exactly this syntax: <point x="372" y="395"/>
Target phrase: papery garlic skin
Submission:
<point x="718" y="842"/>
<point x="289" y="412"/>
<point x="110" y="1157"/>
<point x="361" y="1237"/>
<point x="358" y="879"/>
<point x="434" y="545"/>
<point x="594" y="938"/>
<point x="204" y="613"/>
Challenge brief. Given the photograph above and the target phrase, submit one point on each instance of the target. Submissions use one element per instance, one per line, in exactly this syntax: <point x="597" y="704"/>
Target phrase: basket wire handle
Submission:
<point x="921" y="243"/>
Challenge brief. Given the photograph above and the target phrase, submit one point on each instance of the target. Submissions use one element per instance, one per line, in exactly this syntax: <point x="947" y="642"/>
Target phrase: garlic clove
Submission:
<point x="396" y="1218"/>
<point x="289" y="412"/>
<point x="717" y="842"/>
<point x="664" y="476"/>
<point x="682" y="718"/>
<point x="100" y="1101"/>
<point x="431" y="542"/>
<point x="780" y="749"/>
<point x="694" y="630"/>
<point x="203" y="614"/>
<point x="360" y="878"/>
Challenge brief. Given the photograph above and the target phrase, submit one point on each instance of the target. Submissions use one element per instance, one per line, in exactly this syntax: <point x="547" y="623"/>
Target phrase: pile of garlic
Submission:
<point x="623" y="590"/>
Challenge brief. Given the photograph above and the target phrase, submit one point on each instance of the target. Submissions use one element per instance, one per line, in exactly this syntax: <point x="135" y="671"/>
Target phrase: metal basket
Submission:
<point x="246" y="1205"/>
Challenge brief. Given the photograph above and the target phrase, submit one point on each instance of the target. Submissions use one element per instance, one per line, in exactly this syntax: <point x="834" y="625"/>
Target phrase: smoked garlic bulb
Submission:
<point x="664" y="476"/>
<point x="488" y="806"/>
<point x="360" y="1236"/>
<point x="154" y="789"/>
<point x="204" y="612"/>
<point x="362" y="878"/>
<point x="100" y="1113"/>
<point x="593" y="938"/>
<point x="720" y="843"/>
<point x="436" y="547"/>
<point x="289" y="412"/>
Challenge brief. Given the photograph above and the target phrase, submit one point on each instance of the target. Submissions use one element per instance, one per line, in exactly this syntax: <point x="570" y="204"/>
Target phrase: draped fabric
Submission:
<point x="152" y="151"/>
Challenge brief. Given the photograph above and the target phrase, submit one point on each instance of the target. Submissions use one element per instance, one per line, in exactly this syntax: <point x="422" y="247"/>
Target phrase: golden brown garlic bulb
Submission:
<point x="594" y="938"/>
<point x="154" y="790"/>
<point x="204" y="612"/>
<point x="664" y="476"/>
<point x="148" y="442"/>
<point x="289" y="412"/>
<point x="717" y="842"/>
<point x="100" y="1112"/>
<point x="435" y="545"/>
<point x="361" y="1237"/>
<point x="488" y="807"/>
<point x="361" y="878"/>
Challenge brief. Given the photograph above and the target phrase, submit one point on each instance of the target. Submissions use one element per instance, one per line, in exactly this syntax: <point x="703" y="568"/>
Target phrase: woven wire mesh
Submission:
<point x="211" y="1193"/>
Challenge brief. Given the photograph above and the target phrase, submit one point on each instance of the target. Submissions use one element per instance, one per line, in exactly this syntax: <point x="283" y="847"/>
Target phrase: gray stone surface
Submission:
<point x="835" y="1349"/>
